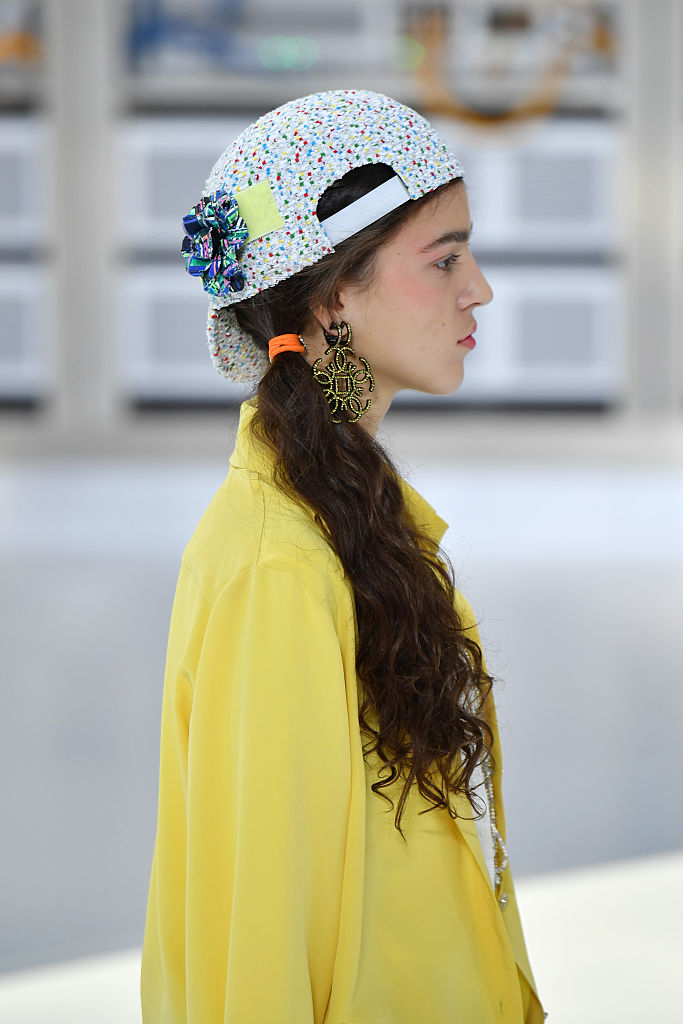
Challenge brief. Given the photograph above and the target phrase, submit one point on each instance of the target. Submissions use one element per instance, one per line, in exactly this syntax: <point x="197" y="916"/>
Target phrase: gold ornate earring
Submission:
<point x="342" y="381"/>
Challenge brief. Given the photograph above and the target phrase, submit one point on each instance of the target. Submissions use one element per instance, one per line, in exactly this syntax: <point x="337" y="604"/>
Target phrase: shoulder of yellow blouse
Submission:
<point x="250" y="521"/>
<point x="247" y="455"/>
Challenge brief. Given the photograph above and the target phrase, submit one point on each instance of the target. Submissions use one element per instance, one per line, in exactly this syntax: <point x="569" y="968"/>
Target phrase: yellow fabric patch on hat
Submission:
<point x="258" y="209"/>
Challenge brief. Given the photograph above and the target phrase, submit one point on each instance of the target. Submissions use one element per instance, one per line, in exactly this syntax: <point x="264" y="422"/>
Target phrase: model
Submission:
<point x="330" y="842"/>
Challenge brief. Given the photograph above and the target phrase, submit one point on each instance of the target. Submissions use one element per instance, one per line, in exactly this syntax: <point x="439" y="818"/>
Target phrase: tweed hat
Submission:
<point x="256" y="222"/>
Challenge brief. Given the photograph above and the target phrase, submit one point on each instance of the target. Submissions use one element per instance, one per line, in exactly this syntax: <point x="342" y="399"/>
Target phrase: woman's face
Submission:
<point x="408" y="321"/>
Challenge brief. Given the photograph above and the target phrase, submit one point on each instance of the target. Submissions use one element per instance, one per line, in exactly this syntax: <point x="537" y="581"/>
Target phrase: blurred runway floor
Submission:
<point x="605" y="944"/>
<point x="575" y="576"/>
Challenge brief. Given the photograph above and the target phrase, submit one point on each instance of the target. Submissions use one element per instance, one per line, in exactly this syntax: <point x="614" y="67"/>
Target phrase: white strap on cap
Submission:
<point x="366" y="210"/>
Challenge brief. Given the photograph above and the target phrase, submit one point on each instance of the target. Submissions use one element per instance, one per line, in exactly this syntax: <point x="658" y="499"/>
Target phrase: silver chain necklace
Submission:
<point x="500" y="854"/>
<point x="499" y="846"/>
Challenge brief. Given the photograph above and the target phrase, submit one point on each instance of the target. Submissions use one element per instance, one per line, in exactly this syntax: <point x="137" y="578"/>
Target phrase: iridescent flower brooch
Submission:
<point x="214" y="231"/>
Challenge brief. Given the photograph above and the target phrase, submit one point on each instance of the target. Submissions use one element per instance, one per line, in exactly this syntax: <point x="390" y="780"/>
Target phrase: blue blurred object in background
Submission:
<point x="159" y="31"/>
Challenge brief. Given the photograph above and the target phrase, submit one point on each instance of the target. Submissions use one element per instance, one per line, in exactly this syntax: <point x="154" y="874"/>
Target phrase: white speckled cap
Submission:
<point x="278" y="168"/>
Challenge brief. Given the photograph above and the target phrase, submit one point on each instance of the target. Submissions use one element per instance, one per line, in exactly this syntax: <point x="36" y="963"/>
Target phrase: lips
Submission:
<point x="469" y="333"/>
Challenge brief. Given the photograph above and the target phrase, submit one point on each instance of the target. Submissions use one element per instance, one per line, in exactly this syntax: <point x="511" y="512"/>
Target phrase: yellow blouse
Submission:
<point x="280" y="890"/>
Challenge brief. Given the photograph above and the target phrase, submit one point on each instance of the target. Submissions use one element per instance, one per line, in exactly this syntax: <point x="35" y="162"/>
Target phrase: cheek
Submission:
<point x="410" y="294"/>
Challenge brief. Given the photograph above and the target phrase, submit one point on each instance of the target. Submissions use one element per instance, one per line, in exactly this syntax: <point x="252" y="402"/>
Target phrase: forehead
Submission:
<point x="448" y="211"/>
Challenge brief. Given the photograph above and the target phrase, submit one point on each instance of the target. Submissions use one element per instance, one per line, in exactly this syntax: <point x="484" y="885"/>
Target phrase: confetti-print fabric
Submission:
<point x="301" y="148"/>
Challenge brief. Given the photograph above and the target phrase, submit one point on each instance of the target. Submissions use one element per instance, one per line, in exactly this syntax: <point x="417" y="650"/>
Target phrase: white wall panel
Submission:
<point x="162" y="350"/>
<point x="25" y="182"/>
<point x="551" y="333"/>
<point x="26" y="341"/>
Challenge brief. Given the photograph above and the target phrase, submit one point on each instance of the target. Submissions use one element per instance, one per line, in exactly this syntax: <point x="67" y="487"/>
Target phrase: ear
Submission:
<point x="325" y="316"/>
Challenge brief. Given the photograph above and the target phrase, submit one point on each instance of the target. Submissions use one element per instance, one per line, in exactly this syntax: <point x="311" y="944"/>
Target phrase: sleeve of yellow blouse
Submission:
<point x="267" y="802"/>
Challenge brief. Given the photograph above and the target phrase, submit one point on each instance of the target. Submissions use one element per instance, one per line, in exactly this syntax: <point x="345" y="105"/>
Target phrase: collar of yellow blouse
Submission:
<point x="246" y="455"/>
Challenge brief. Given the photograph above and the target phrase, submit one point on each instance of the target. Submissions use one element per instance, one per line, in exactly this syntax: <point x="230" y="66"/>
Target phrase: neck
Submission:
<point x="381" y="399"/>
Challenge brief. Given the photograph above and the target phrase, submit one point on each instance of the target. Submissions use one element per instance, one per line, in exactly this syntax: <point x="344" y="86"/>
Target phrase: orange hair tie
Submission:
<point x="285" y="343"/>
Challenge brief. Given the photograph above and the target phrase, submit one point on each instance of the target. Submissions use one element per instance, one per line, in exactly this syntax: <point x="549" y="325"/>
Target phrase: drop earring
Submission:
<point x="341" y="380"/>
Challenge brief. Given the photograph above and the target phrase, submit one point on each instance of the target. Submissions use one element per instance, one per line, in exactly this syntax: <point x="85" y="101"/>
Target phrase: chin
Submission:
<point x="447" y="384"/>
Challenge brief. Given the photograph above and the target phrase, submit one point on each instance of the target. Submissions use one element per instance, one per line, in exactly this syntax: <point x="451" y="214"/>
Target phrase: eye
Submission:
<point x="446" y="263"/>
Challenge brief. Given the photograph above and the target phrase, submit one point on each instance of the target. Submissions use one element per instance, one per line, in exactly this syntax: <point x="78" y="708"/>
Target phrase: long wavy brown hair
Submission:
<point x="421" y="676"/>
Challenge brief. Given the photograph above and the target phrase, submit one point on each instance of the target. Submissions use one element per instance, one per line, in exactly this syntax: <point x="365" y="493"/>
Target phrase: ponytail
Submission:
<point x="416" y="667"/>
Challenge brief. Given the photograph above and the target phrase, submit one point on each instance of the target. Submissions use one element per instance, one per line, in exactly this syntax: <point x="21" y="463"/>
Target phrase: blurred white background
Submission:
<point x="557" y="463"/>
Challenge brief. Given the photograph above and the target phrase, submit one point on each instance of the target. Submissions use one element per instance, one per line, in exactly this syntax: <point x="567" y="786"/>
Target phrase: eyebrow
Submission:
<point x="448" y="236"/>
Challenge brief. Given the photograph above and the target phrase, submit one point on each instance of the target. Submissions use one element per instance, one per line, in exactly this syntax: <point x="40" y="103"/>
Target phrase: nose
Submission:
<point x="478" y="291"/>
